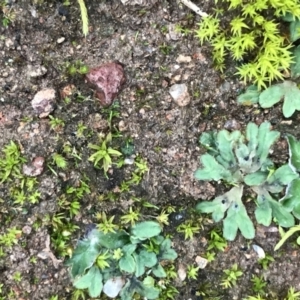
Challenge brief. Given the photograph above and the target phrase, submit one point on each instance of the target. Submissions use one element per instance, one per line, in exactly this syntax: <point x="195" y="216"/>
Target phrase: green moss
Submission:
<point x="253" y="34"/>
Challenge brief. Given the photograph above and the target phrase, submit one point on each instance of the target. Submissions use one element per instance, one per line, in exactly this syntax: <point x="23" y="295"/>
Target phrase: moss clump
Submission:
<point x="253" y="34"/>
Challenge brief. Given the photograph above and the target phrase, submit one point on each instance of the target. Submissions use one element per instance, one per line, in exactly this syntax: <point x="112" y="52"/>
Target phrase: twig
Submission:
<point x="194" y="7"/>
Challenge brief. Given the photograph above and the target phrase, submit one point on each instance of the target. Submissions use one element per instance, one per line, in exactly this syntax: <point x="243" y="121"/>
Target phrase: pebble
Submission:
<point x="181" y="272"/>
<point x="26" y="229"/>
<point x="60" y="40"/>
<point x="113" y="286"/>
<point x="36" y="71"/>
<point x="180" y="95"/>
<point x="201" y="262"/>
<point x="183" y="59"/>
<point x="259" y="250"/>
<point x="107" y="80"/>
<point x="35" y="168"/>
<point x="44" y="102"/>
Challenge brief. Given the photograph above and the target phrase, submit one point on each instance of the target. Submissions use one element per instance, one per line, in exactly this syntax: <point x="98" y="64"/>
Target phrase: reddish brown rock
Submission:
<point x="107" y="80"/>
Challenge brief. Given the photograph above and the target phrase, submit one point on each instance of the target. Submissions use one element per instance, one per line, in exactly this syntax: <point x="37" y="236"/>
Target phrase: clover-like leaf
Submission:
<point x="295" y="30"/>
<point x="294" y="149"/>
<point x="287" y="90"/>
<point x="250" y="97"/>
<point x="291" y="200"/>
<point x="166" y="252"/>
<point x="144" y="259"/>
<point x="219" y="205"/>
<point x="92" y="280"/>
<point x="237" y="218"/>
<point x="295" y="66"/>
<point x="268" y="207"/>
<point x="85" y="254"/>
<point x="212" y="170"/>
<point x="226" y="142"/>
<point x="266" y="139"/>
<point x="127" y="263"/>
<point x="145" y="230"/>
<point x="113" y="240"/>
<point x="256" y="178"/>
<point x="159" y="271"/>
<point x="281" y="177"/>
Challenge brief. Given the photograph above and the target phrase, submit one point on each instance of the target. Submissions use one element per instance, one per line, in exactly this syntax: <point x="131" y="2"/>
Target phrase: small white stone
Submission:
<point x="60" y="40"/>
<point x="201" y="262"/>
<point x="259" y="250"/>
<point x="180" y="95"/>
<point x="44" y="102"/>
<point x="113" y="286"/>
<point x="183" y="59"/>
<point x="181" y="272"/>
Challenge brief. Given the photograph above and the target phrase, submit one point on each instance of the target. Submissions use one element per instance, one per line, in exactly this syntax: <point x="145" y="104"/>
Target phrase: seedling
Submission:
<point x="188" y="229"/>
<point x="243" y="160"/>
<point x="292" y="295"/>
<point x="118" y="263"/>
<point x="216" y="241"/>
<point x="56" y="123"/>
<point x="131" y="217"/>
<point x="106" y="225"/>
<point x="17" y="277"/>
<point x="265" y="262"/>
<point x="192" y="272"/>
<point x="103" y="154"/>
<point x="259" y="284"/>
<point x="231" y="276"/>
<point x="59" y="161"/>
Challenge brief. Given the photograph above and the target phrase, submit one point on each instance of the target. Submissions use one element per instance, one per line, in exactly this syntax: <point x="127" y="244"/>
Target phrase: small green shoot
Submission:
<point x="103" y="154"/>
<point x="188" y="229"/>
<point x="231" y="276"/>
<point x="265" y="262"/>
<point x="192" y="272"/>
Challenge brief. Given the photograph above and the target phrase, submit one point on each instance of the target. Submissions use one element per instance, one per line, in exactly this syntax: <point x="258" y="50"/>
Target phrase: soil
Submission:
<point x="45" y="37"/>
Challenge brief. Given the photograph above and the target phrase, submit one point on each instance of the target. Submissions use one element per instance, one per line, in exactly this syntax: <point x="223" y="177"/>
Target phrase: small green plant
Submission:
<point x="56" y="123"/>
<point x="117" y="263"/>
<point x="192" y="272"/>
<point x="77" y="67"/>
<point x="59" y="161"/>
<point x="243" y="160"/>
<point x="231" y="276"/>
<point x="11" y="237"/>
<point x="253" y="33"/>
<point x="103" y="154"/>
<point x="292" y="295"/>
<point x="259" y="284"/>
<point x="265" y="262"/>
<point x="11" y="162"/>
<point x="188" y="229"/>
<point x="17" y="277"/>
<point x="216" y="241"/>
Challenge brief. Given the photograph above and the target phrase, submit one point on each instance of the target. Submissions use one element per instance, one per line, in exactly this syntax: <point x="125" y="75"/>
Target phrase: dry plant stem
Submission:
<point x="194" y="7"/>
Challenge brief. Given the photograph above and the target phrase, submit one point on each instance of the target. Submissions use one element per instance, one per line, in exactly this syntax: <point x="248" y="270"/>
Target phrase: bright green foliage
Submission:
<point x="240" y="160"/>
<point x="128" y="257"/>
<point x="253" y="33"/>
<point x="84" y="17"/>
<point x="103" y="154"/>
<point x="231" y="276"/>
